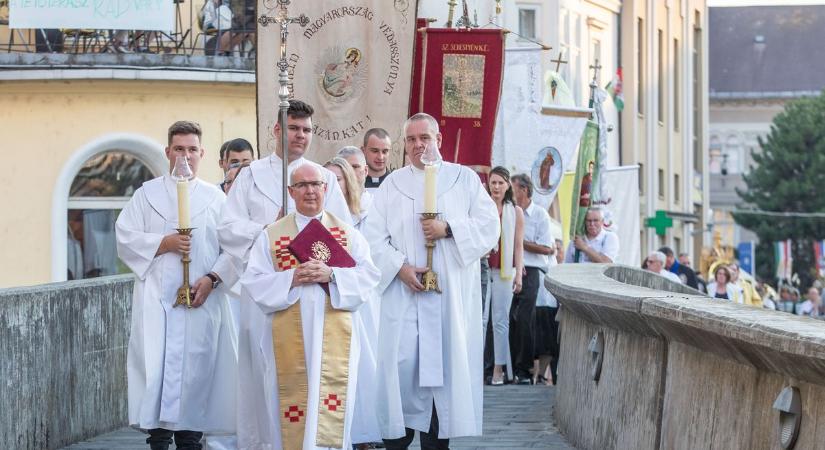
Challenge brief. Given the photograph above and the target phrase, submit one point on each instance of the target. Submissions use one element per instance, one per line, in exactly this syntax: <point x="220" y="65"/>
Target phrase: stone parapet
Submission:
<point x="63" y="365"/>
<point x="679" y="370"/>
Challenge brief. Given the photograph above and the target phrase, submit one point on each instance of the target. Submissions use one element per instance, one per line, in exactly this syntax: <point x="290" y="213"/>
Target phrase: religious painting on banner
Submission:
<point x="587" y="173"/>
<point x="351" y="63"/>
<point x="461" y="74"/>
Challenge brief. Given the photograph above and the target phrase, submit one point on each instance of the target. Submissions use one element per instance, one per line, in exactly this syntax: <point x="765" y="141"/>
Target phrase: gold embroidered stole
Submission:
<point x="288" y="345"/>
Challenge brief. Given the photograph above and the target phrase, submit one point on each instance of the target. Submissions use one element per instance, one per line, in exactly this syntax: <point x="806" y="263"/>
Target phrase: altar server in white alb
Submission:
<point x="255" y="202"/>
<point x="180" y="360"/>
<point x="430" y="344"/>
<point x="309" y="351"/>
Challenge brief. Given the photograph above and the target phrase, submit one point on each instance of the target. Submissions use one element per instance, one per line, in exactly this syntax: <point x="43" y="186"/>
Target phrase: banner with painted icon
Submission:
<point x="587" y="173"/>
<point x="352" y="63"/>
<point x="531" y="136"/>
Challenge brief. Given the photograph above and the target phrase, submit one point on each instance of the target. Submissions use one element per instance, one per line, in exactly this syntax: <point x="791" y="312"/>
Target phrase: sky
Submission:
<point x="763" y="2"/>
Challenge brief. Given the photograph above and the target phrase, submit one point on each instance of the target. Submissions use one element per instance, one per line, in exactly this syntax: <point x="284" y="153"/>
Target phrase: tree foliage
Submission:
<point x="788" y="175"/>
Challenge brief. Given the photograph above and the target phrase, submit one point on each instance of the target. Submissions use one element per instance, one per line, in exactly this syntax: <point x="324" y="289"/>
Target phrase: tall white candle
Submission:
<point x="183" y="204"/>
<point x="430" y="176"/>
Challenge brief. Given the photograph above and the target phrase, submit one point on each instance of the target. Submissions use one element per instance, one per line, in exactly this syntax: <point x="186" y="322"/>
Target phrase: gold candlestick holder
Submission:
<point x="429" y="278"/>
<point x="184" y="297"/>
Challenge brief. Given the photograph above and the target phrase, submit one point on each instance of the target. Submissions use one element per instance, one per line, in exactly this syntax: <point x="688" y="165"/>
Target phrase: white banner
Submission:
<point x="352" y="64"/>
<point x="523" y="132"/>
<point x="622" y="215"/>
<point x="93" y="14"/>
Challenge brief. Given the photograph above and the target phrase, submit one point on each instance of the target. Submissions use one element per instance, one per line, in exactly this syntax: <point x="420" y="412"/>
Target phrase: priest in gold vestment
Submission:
<point x="308" y="357"/>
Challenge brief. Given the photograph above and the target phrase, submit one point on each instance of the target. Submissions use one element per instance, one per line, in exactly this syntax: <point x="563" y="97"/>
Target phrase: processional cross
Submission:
<point x="559" y="61"/>
<point x="595" y="67"/>
<point x="284" y="21"/>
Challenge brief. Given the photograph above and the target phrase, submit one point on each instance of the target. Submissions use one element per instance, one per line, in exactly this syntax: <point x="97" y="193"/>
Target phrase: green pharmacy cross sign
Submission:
<point x="661" y="222"/>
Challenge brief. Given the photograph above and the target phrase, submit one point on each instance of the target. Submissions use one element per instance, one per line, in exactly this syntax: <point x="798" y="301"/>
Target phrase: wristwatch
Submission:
<point x="449" y="231"/>
<point x="215" y="280"/>
<point x="332" y="276"/>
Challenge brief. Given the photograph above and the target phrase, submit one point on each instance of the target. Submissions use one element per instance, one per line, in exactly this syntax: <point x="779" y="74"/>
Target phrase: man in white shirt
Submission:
<point x="809" y="307"/>
<point x="538" y="247"/>
<point x="597" y="246"/>
<point x="656" y="264"/>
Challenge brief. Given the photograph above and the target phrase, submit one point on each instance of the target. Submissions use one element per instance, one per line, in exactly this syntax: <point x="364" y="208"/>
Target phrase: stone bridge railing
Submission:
<point x="649" y="364"/>
<point x="63" y="364"/>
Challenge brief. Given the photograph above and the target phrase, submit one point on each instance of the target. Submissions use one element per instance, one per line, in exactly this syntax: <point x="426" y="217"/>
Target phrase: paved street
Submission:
<point x="515" y="417"/>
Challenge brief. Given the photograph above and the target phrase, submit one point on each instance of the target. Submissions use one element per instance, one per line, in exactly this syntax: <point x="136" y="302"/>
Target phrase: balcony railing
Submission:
<point x="190" y="45"/>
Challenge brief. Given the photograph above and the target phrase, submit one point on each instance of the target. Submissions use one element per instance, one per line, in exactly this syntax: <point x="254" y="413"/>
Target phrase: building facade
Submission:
<point x="761" y="57"/>
<point x="664" y="123"/>
<point x="84" y="126"/>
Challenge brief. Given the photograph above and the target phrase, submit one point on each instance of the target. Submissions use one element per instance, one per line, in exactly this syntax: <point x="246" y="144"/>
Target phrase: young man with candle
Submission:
<point x="180" y="360"/>
<point x="430" y="343"/>
<point x="255" y="202"/>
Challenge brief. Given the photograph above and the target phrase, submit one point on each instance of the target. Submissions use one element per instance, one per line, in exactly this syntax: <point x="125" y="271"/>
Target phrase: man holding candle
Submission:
<point x="430" y="343"/>
<point x="179" y="360"/>
<point x="255" y="202"/>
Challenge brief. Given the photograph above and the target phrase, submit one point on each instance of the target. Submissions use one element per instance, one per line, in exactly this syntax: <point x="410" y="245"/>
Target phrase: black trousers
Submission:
<point x="488" y="333"/>
<point x="523" y="322"/>
<point x="429" y="440"/>
<point x="161" y="439"/>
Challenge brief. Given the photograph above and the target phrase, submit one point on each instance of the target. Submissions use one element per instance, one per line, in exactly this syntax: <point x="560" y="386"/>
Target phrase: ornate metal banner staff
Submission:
<point x="283" y="20"/>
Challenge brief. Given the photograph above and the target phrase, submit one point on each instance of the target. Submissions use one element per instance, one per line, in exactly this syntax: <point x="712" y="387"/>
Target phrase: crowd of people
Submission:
<point x="730" y="283"/>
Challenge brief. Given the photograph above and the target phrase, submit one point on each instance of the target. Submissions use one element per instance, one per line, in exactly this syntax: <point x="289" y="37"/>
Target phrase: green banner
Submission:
<point x="587" y="172"/>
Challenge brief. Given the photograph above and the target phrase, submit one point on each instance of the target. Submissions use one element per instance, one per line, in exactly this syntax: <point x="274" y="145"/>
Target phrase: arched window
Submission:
<point x="95" y="183"/>
<point x="99" y="191"/>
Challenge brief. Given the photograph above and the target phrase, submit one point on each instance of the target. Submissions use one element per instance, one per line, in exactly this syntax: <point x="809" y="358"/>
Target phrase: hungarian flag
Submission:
<point x="614" y="88"/>
<point x="819" y="254"/>
<point x="783" y="255"/>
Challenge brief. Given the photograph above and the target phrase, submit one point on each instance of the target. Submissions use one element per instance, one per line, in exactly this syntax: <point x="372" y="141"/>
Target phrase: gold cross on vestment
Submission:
<point x="559" y="61"/>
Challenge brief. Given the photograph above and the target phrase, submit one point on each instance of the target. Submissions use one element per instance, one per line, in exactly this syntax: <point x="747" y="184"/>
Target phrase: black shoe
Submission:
<point x="522" y="380"/>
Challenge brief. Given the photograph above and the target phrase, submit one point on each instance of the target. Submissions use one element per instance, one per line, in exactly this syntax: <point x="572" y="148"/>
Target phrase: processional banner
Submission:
<point x="351" y="63"/>
<point x="623" y="211"/>
<point x="819" y="257"/>
<point x="461" y="73"/>
<point x="587" y="172"/>
<point x="530" y="137"/>
<point x="783" y="257"/>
